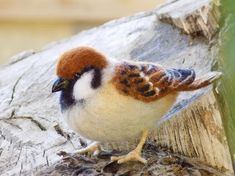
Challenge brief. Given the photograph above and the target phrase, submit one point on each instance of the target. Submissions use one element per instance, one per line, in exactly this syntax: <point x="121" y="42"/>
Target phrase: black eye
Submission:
<point x="78" y="75"/>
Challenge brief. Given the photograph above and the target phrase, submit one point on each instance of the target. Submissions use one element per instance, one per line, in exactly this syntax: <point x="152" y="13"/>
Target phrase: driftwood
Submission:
<point x="32" y="130"/>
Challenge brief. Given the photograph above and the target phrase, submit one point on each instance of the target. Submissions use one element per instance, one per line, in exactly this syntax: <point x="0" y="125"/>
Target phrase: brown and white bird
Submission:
<point x="107" y="100"/>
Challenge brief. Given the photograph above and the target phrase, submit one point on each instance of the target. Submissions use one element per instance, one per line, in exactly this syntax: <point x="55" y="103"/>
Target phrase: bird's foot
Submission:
<point x="134" y="155"/>
<point x="93" y="148"/>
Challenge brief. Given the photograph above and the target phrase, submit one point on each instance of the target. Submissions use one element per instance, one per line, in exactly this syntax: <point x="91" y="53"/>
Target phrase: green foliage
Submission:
<point x="227" y="65"/>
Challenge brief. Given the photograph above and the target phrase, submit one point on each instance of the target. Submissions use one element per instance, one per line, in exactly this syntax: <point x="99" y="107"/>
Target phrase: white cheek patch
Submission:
<point x="82" y="88"/>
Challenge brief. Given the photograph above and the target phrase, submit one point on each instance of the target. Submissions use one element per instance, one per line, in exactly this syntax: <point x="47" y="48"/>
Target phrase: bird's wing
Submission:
<point x="149" y="82"/>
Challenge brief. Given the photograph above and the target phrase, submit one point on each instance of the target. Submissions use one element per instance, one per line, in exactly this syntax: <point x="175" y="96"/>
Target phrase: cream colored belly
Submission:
<point x="114" y="117"/>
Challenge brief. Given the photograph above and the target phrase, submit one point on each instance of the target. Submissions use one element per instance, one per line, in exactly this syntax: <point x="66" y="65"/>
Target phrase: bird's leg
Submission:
<point x="93" y="148"/>
<point x="134" y="155"/>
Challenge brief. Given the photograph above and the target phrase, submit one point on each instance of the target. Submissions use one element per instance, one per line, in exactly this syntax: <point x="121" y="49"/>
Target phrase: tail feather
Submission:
<point x="203" y="81"/>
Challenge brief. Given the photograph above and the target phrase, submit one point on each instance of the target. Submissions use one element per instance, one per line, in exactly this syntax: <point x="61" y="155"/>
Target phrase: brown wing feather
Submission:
<point x="149" y="82"/>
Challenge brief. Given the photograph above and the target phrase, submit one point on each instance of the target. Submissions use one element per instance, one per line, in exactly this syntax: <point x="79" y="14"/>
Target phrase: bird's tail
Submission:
<point x="203" y="81"/>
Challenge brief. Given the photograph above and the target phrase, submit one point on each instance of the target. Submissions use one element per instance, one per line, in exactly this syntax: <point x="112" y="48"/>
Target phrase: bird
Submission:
<point x="110" y="100"/>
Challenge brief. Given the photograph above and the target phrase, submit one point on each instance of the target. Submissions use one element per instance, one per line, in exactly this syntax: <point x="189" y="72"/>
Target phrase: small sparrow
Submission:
<point x="108" y="100"/>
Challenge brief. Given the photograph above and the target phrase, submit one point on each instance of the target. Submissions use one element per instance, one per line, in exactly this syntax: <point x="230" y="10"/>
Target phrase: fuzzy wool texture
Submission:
<point x="110" y="117"/>
<point x="82" y="87"/>
<point x="105" y="114"/>
<point x="75" y="60"/>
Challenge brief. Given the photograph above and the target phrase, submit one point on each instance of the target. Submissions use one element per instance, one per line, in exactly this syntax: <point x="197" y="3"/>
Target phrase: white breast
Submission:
<point x="109" y="116"/>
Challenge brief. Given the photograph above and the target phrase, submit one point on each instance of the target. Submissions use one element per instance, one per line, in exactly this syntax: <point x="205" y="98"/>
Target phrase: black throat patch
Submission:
<point x="66" y="96"/>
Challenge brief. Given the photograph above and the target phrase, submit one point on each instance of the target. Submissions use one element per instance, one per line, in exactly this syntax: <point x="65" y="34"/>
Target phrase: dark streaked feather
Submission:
<point x="149" y="82"/>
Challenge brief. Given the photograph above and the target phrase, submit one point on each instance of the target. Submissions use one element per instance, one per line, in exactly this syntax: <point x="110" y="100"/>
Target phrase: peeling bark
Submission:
<point x="193" y="17"/>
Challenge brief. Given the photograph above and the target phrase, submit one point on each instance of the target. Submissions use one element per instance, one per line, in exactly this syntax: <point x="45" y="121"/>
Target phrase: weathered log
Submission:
<point x="33" y="131"/>
<point x="193" y="17"/>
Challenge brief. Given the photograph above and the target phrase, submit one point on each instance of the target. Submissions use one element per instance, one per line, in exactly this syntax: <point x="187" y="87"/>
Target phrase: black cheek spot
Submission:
<point x="96" y="80"/>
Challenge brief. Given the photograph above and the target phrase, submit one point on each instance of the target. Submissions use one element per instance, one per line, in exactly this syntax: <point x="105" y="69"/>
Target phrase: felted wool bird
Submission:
<point x="108" y="100"/>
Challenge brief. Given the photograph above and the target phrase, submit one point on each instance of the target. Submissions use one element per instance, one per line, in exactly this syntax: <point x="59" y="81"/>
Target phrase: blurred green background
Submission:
<point x="227" y="65"/>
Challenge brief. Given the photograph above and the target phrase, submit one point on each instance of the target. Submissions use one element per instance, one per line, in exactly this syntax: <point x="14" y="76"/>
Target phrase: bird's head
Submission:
<point x="79" y="72"/>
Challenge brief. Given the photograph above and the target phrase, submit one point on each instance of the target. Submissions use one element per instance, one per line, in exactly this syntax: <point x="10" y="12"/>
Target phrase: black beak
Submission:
<point x="59" y="85"/>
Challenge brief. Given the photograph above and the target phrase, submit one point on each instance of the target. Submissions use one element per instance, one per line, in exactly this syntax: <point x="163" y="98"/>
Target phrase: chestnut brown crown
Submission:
<point x="77" y="59"/>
